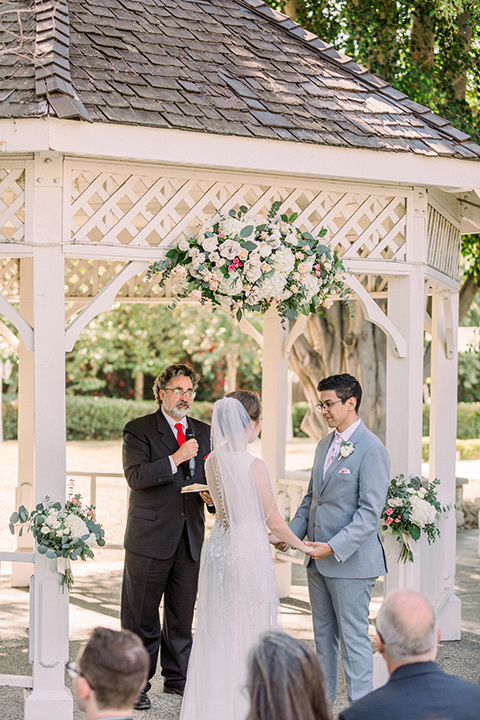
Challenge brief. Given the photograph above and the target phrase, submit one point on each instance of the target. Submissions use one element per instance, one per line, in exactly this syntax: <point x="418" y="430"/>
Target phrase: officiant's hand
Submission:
<point x="320" y="550"/>
<point x="206" y="497"/>
<point x="282" y="546"/>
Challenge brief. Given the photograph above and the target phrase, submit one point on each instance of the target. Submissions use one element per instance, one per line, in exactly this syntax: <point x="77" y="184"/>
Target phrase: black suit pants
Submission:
<point x="145" y="582"/>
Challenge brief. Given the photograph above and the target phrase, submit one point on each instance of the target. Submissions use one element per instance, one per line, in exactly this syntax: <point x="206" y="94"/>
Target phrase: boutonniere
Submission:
<point x="346" y="449"/>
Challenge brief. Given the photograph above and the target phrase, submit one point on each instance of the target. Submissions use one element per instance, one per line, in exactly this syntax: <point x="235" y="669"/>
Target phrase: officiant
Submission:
<point x="162" y="453"/>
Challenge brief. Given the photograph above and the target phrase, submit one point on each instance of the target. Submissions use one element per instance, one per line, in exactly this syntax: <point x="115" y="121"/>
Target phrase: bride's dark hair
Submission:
<point x="250" y="401"/>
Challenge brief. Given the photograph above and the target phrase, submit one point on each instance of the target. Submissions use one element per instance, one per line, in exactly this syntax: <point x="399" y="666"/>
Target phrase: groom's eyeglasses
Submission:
<point x="327" y="405"/>
<point x="178" y="392"/>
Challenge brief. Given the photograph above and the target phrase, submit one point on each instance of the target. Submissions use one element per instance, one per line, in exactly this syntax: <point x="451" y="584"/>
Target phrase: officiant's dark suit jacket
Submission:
<point x="420" y="691"/>
<point x="157" y="512"/>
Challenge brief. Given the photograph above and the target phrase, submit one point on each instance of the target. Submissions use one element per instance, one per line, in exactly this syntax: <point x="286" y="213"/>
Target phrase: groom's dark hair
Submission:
<point x="346" y="386"/>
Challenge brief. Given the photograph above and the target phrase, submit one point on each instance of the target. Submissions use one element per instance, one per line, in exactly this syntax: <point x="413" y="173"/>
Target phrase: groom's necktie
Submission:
<point x="180" y="434"/>
<point x="333" y="452"/>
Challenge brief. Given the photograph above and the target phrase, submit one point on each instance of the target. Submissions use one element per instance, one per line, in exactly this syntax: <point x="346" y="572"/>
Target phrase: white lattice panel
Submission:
<point x="12" y="204"/>
<point x="86" y="278"/>
<point x="443" y="243"/>
<point x="123" y="209"/>
<point x="9" y="278"/>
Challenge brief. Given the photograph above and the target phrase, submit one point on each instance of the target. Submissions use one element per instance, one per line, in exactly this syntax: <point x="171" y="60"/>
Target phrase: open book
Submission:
<point x="196" y="487"/>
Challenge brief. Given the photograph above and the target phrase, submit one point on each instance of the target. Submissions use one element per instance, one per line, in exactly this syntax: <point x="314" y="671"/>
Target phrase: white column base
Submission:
<point x="49" y="705"/>
<point x="380" y="671"/>
<point x="400" y="574"/>
<point x="450" y="618"/>
<point x="21" y="573"/>
<point x="283" y="573"/>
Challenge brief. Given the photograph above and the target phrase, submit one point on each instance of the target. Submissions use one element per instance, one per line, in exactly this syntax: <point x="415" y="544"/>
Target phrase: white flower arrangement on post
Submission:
<point x="411" y="509"/>
<point x="62" y="533"/>
<point x="247" y="263"/>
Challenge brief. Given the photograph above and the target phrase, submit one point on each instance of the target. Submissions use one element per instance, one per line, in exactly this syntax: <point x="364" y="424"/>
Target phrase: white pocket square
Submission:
<point x="345" y="471"/>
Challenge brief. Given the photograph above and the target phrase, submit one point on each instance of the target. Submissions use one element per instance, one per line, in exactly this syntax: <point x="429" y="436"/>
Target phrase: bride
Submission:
<point x="237" y="594"/>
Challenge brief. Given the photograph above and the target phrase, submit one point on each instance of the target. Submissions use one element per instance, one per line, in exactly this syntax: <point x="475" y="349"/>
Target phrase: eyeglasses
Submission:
<point x="327" y="405"/>
<point x="178" y="392"/>
<point x="74" y="672"/>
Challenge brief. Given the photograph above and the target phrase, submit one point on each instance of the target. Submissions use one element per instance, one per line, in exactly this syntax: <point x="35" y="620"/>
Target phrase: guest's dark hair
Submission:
<point x="250" y="401"/>
<point x="115" y="665"/>
<point x="346" y="386"/>
<point x="171" y="372"/>
<point x="285" y="680"/>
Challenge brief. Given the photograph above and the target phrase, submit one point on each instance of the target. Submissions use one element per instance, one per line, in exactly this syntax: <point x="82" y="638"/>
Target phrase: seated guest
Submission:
<point x="285" y="680"/>
<point x="109" y="673"/>
<point x="407" y="637"/>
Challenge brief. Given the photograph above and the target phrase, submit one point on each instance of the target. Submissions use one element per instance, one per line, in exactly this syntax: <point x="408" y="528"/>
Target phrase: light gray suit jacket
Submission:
<point x="343" y="509"/>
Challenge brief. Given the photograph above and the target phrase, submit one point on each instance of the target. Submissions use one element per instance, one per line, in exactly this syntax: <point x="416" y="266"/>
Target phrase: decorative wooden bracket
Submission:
<point x="295" y="332"/>
<point x="248" y="329"/>
<point x="102" y="302"/>
<point x="376" y="315"/>
<point x="23" y="327"/>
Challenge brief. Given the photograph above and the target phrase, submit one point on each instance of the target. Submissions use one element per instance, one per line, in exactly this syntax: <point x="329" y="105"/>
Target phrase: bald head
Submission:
<point x="407" y="627"/>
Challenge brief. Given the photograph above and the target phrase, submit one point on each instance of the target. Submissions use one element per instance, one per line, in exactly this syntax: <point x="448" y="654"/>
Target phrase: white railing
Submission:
<point x="25" y="681"/>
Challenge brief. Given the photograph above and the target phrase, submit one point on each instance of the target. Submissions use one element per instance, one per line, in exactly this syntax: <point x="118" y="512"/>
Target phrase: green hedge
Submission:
<point x="468" y="421"/>
<point x="96" y="418"/>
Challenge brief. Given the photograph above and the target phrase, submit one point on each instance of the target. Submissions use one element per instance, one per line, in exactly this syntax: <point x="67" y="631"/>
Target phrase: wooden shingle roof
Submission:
<point x="233" y="67"/>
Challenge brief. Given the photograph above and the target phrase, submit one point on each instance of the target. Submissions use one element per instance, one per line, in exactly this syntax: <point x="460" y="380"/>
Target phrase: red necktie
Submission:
<point x="180" y="434"/>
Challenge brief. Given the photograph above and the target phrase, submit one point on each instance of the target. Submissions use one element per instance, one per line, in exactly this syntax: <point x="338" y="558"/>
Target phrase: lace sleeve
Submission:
<point x="276" y="524"/>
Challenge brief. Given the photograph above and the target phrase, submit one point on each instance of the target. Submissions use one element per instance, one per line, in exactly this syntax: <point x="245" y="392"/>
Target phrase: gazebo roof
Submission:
<point x="224" y="67"/>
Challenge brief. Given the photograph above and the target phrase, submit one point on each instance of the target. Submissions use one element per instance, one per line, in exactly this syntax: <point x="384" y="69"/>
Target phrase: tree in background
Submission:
<point x="430" y="50"/>
<point x="120" y="352"/>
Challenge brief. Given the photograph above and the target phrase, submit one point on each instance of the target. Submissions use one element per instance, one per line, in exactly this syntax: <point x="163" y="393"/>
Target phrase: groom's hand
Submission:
<point x="282" y="546"/>
<point x="320" y="550"/>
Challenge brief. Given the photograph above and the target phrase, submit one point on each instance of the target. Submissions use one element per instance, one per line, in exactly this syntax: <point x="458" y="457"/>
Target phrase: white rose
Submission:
<point x="395" y="502"/>
<point x="253" y="270"/>
<point x="253" y="296"/>
<point x="181" y="271"/>
<point x="229" y="249"/>
<point x="275" y="243"/>
<point x="210" y="243"/>
<point x="291" y="238"/>
<point x="193" y="252"/>
<point x="184" y="245"/>
<point x="220" y="263"/>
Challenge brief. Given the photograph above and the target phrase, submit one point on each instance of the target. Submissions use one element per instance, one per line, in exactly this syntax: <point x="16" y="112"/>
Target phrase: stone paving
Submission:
<point x="95" y="601"/>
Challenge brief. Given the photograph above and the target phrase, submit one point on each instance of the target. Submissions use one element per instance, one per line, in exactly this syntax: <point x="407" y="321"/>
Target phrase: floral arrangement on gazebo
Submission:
<point x="247" y="262"/>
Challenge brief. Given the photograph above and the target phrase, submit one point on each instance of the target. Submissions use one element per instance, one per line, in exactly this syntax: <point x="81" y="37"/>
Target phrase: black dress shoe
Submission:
<point x="142" y="702"/>
<point x="172" y="690"/>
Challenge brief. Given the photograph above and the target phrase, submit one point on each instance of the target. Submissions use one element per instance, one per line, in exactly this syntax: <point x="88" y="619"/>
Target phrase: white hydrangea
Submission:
<point x="231" y="226"/>
<point x="274" y="286"/>
<point x="253" y="296"/>
<point x="284" y="261"/>
<point x="311" y="286"/>
<point x="422" y="512"/>
<point x="76" y="526"/>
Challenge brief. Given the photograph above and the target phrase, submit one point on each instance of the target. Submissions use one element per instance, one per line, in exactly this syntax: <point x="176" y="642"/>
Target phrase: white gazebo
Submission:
<point x="123" y="123"/>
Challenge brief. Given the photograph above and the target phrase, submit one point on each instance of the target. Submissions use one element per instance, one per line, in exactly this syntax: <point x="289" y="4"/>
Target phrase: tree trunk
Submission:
<point x="139" y="385"/>
<point x="422" y="38"/>
<point x="231" y="376"/>
<point x="291" y="8"/>
<point x="464" y="38"/>
<point x="337" y="343"/>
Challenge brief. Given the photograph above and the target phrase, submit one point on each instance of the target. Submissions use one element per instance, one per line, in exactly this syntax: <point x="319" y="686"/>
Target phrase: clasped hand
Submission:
<point x="317" y="550"/>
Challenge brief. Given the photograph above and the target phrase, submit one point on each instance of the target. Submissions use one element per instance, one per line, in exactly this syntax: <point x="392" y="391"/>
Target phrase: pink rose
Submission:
<point x="389" y="511"/>
<point x="388" y="521"/>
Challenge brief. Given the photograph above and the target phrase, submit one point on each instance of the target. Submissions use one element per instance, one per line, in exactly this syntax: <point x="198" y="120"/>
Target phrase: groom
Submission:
<point x="340" y="515"/>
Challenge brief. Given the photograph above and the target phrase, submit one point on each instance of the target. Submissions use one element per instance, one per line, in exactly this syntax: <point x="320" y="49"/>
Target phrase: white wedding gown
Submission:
<point x="237" y="594"/>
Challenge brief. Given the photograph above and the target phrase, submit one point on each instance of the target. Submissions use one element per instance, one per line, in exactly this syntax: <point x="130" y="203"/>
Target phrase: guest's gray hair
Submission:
<point x="285" y="680"/>
<point x="407" y="626"/>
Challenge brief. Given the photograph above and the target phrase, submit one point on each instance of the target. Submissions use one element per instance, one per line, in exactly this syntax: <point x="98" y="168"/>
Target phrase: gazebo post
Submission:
<point x="21" y="572"/>
<point x="442" y="456"/>
<point x="274" y="429"/>
<point x="49" y="699"/>
<point x="406" y="303"/>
